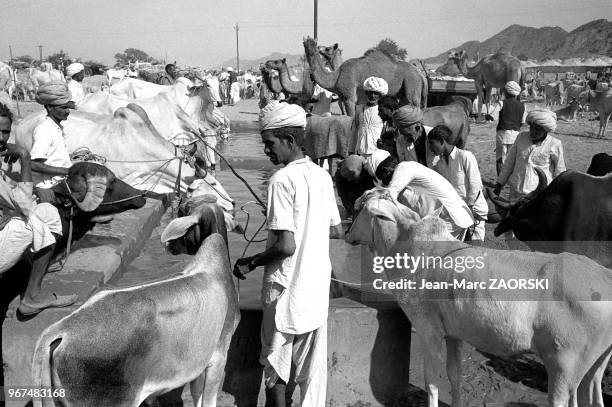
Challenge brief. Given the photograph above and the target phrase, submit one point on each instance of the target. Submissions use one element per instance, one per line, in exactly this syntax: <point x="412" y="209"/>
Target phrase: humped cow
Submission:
<point x="127" y="142"/>
<point x="127" y="346"/>
<point x="567" y="324"/>
<point x="553" y="92"/>
<point x="572" y="214"/>
<point x="601" y="102"/>
<point x="601" y="164"/>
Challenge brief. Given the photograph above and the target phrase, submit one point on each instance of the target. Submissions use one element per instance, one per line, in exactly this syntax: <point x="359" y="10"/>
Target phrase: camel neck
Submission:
<point x="323" y="77"/>
<point x="286" y="82"/>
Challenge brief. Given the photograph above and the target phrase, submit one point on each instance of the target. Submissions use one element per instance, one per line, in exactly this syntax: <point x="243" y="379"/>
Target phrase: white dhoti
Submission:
<point x="235" y="92"/>
<point x="307" y="351"/>
<point x="19" y="234"/>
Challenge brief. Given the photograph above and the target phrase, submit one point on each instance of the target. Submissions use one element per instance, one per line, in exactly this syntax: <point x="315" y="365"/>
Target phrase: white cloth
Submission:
<point x="513" y="88"/>
<point x="463" y="174"/>
<point x="279" y="114"/>
<point x="323" y="105"/>
<point x="524" y="156"/>
<point x="48" y="143"/>
<point x="307" y="351"/>
<point x="78" y="93"/>
<point x="374" y="160"/>
<point x="301" y="200"/>
<point x="235" y="92"/>
<point x="369" y="129"/>
<point x="413" y="174"/>
<point x="544" y="118"/>
<point x="74" y="69"/>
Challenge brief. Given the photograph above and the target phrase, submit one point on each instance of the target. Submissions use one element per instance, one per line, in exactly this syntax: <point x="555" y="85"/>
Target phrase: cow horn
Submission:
<point x="542" y="183"/>
<point x="96" y="188"/>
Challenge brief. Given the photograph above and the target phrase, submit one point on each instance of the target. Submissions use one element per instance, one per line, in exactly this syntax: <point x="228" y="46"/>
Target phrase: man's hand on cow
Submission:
<point x="244" y="266"/>
<point x="497" y="189"/>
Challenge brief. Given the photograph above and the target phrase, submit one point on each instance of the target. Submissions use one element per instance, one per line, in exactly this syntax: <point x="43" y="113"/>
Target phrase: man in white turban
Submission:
<point x="368" y="123"/>
<point x="533" y="149"/>
<point x="297" y="269"/>
<point x="75" y="73"/>
<point x="511" y="118"/>
<point x="50" y="157"/>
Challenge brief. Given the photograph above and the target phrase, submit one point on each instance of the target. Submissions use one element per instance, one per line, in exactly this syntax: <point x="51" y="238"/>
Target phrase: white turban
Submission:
<point x="230" y="69"/>
<point x="513" y="88"/>
<point x="374" y="160"/>
<point x="375" y="84"/>
<point x="279" y="114"/>
<point x="544" y="118"/>
<point x="74" y="69"/>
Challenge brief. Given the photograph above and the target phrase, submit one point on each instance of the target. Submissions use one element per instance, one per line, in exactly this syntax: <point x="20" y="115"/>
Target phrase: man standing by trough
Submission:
<point x="511" y="118"/>
<point x="295" y="292"/>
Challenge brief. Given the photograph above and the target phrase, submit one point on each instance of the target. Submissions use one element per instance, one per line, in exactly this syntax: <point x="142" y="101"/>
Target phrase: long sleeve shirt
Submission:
<point x="524" y="156"/>
<point x="462" y="172"/>
<point x="369" y="128"/>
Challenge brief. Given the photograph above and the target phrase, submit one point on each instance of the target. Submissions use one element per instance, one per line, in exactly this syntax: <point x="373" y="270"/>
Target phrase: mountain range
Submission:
<point x="591" y="39"/>
<point x="253" y="64"/>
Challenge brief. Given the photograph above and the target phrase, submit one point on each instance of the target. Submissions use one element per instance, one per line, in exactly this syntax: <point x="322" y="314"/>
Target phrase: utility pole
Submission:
<point x="14" y="80"/>
<point x="316" y="13"/>
<point x="40" y="47"/>
<point x="237" y="28"/>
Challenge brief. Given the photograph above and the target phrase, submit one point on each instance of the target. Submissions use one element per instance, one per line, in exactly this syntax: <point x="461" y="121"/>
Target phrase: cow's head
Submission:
<point x="94" y="189"/>
<point x="529" y="217"/>
<point x="198" y="218"/>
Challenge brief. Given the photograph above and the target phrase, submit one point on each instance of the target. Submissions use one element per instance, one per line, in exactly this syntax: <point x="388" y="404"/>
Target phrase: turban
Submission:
<point x="230" y="69"/>
<point x="351" y="167"/>
<point x="513" y="88"/>
<point x="374" y="160"/>
<point x="54" y="93"/>
<point x="375" y="84"/>
<point x="279" y="114"/>
<point x="407" y="115"/>
<point x="544" y="118"/>
<point x="74" y="69"/>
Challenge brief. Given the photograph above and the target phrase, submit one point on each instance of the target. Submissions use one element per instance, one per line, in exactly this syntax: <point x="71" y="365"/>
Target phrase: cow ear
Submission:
<point x="336" y="46"/>
<point x="381" y="214"/>
<point x="178" y="228"/>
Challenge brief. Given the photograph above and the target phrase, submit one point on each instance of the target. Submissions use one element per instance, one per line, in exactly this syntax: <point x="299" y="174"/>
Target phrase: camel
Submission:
<point x="302" y="90"/>
<point x="270" y="85"/>
<point x="404" y="80"/>
<point x="492" y="71"/>
<point x="332" y="55"/>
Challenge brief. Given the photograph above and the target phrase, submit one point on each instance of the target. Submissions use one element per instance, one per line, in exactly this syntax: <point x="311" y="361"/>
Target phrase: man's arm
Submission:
<point x="474" y="179"/>
<point x="282" y="247"/>
<point x="39" y="166"/>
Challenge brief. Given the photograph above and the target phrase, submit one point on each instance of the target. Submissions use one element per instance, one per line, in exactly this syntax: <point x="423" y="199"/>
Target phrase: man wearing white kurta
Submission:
<point x="75" y="73"/>
<point x="49" y="154"/>
<point x="422" y="180"/>
<point x="367" y="123"/>
<point x="295" y="293"/>
<point x="460" y="168"/>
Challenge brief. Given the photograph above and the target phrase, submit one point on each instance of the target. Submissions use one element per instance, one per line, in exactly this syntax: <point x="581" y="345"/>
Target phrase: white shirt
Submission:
<point x="78" y="93"/>
<point x="463" y="174"/>
<point x="524" y="156"/>
<point x="48" y="143"/>
<point x="301" y="200"/>
<point x="414" y="175"/>
<point x="324" y="98"/>
<point x="369" y="128"/>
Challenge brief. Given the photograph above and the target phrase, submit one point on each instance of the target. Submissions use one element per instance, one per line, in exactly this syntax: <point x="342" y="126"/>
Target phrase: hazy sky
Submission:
<point x="200" y="32"/>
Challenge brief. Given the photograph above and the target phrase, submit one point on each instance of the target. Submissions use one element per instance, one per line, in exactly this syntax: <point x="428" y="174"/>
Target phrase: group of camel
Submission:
<point x="405" y="80"/>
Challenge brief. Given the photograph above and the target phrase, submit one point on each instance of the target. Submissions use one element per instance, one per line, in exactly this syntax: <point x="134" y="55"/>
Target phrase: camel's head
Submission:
<point x="310" y="46"/>
<point x="275" y="64"/>
<point x="329" y="52"/>
<point x="460" y="60"/>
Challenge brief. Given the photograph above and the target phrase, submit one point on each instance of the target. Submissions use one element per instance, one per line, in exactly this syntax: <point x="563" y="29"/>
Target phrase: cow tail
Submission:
<point x="522" y="78"/>
<point x="424" y="92"/>
<point x="41" y="366"/>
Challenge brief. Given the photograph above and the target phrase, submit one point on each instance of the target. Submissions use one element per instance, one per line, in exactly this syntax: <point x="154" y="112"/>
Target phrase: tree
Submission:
<point x="59" y="60"/>
<point x="24" y="58"/>
<point x="132" y="55"/>
<point x="391" y="47"/>
<point x="522" y="57"/>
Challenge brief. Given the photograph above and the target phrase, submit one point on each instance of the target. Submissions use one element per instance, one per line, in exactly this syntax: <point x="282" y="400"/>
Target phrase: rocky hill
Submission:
<point x="292" y="60"/>
<point x="591" y="39"/>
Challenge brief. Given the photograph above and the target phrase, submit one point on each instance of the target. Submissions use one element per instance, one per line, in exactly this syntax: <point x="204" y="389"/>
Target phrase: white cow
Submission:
<point x="601" y="102"/>
<point x="567" y="325"/>
<point x="124" y="347"/>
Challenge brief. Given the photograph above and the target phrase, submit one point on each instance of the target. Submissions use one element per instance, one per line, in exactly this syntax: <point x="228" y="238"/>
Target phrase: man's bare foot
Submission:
<point x="37" y="304"/>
